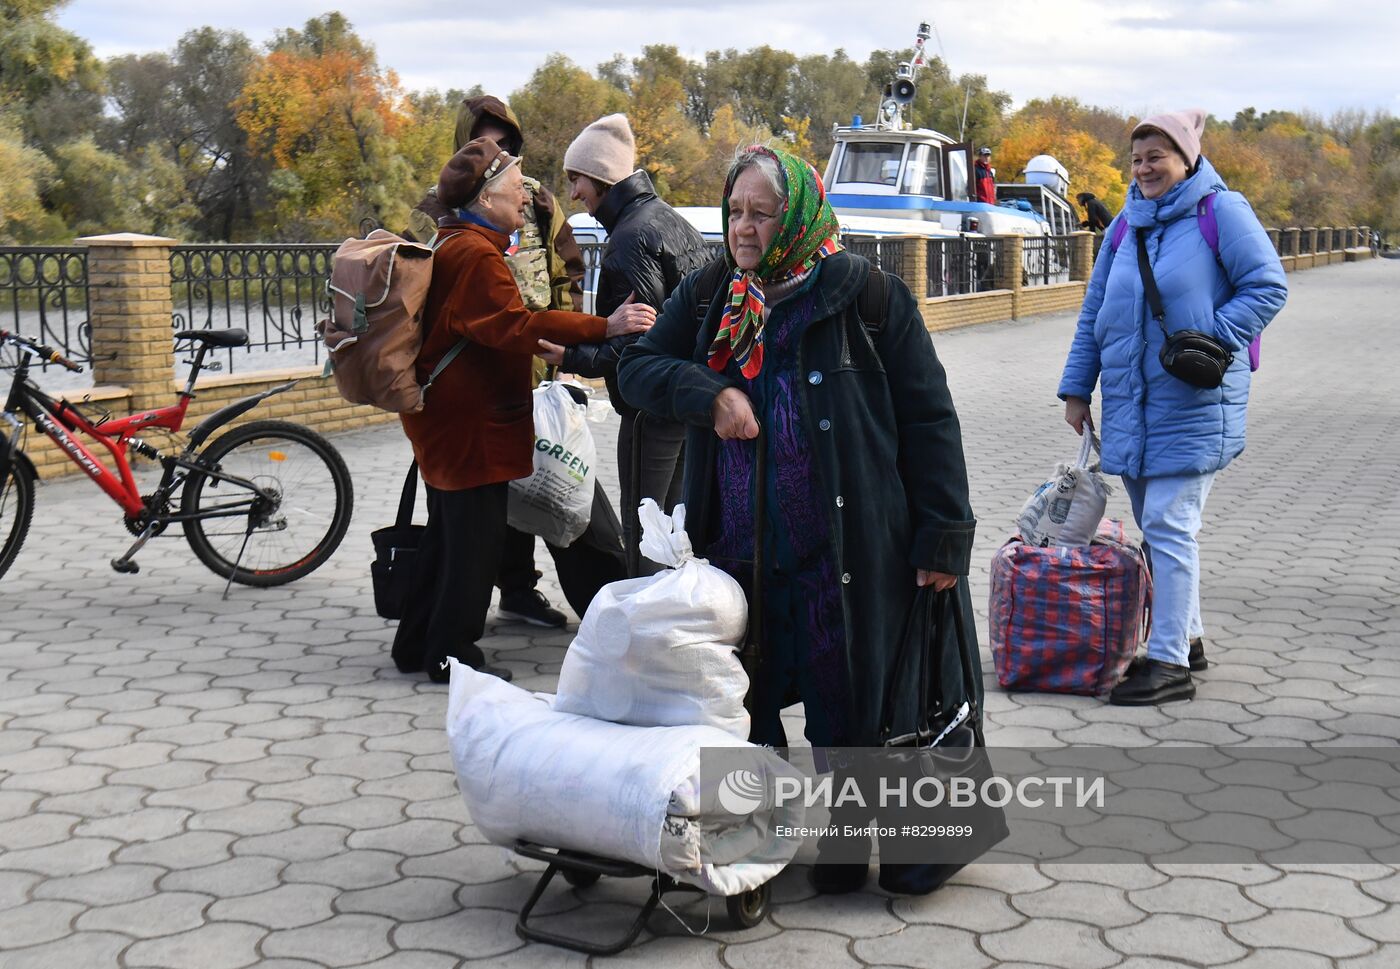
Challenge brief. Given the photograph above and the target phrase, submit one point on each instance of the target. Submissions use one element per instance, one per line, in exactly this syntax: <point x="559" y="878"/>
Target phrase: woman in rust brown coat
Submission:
<point x="476" y="432"/>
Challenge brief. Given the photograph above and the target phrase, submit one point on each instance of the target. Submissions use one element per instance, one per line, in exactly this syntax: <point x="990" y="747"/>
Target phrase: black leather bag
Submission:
<point x="395" y="548"/>
<point x="1197" y="358"/>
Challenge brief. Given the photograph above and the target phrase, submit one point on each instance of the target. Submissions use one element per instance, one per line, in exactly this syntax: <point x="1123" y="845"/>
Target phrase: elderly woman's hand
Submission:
<point x="733" y="414"/>
<point x="631" y="317"/>
<point x="1077" y="414"/>
<point x="940" y="581"/>
<point x="551" y="353"/>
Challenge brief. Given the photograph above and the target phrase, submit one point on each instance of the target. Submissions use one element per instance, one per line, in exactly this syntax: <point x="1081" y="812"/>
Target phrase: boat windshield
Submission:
<point x="871" y="161"/>
<point x="921" y="173"/>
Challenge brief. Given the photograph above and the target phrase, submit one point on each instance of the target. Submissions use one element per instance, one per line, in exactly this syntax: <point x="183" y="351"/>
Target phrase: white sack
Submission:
<point x="529" y="772"/>
<point x="555" y="502"/>
<point x="659" y="651"/>
<point x="1066" y="509"/>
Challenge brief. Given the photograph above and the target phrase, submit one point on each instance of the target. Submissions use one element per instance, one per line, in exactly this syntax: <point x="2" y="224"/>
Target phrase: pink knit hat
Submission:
<point x="1182" y="127"/>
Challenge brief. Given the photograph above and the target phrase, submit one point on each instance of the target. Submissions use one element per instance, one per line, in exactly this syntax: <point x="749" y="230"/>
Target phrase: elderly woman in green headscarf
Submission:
<point x="865" y="482"/>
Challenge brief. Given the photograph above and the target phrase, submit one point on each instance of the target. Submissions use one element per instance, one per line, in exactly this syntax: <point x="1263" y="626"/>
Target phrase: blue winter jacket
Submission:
<point x="1153" y="423"/>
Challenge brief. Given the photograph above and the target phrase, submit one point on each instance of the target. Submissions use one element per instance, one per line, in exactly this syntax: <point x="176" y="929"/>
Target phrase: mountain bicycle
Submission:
<point x="263" y="504"/>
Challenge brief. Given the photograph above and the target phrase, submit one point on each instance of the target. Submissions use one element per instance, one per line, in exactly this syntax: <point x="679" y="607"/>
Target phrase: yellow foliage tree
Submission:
<point x="1090" y="162"/>
<point x="329" y="121"/>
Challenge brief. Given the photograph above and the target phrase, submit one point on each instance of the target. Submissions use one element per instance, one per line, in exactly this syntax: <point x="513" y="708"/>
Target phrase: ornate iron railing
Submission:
<point x="957" y="266"/>
<point x="45" y="296"/>
<point x="276" y="292"/>
<point x="883" y="253"/>
<point x="1046" y="260"/>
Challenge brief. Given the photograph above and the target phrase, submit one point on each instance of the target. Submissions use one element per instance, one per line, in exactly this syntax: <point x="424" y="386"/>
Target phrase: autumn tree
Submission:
<point x="1089" y="161"/>
<point x="322" y="111"/>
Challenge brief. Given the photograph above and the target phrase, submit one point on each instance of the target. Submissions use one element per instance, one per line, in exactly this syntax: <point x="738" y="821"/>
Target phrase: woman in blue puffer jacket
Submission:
<point x="1165" y="437"/>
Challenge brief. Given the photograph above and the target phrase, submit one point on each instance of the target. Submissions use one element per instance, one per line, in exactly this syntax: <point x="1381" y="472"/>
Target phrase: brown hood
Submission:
<point x="474" y="110"/>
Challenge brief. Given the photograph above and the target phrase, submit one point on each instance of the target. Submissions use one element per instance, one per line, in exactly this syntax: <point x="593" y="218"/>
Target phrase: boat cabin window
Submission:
<point x="957" y="175"/>
<point x="921" y="172"/>
<point x="870" y="161"/>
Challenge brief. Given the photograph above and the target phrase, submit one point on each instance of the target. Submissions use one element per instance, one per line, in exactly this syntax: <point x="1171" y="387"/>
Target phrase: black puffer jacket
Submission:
<point x="650" y="250"/>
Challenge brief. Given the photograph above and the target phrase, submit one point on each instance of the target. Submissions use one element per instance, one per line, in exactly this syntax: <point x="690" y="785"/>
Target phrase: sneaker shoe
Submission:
<point x="531" y="607"/>
<point x="1152" y="683"/>
<point x="1195" y="659"/>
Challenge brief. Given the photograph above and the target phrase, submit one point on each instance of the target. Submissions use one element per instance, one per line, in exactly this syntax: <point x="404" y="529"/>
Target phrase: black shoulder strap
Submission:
<point x="872" y="301"/>
<point x="1149" y="282"/>
<point x="408" y="497"/>
<point x="705" y="286"/>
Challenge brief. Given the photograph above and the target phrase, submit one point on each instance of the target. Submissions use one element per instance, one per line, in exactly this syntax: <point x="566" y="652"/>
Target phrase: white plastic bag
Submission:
<point x="1066" y="509"/>
<point x="556" y="500"/>
<point x="527" y="771"/>
<point x="660" y="650"/>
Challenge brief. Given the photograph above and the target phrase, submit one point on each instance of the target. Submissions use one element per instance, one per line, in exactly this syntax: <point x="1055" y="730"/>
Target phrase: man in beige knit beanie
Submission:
<point x="604" y="151"/>
<point x="650" y="248"/>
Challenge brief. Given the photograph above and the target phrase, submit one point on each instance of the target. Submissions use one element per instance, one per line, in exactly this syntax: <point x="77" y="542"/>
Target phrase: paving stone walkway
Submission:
<point x="193" y="783"/>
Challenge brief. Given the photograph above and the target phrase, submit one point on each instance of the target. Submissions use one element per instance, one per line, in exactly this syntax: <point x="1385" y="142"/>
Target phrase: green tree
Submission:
<point x="827" y="91"/>
<point x="756" y="82"/>
<point x="558" y="101"/>
<point x="25" y="177"/>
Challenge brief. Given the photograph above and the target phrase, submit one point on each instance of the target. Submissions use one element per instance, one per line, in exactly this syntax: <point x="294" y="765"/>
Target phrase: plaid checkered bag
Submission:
<point x="1068" y="619"/>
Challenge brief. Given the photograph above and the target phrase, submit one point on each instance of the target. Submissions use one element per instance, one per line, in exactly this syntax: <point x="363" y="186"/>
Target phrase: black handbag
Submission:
<point x="1190" y="355"/>
<point x="945" y="743"/>
<point x="395" y="548"/>
<point x="934" y="726"/>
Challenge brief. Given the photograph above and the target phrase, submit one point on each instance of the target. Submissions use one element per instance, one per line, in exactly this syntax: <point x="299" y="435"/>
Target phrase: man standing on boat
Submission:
<point x="985" y="177"/>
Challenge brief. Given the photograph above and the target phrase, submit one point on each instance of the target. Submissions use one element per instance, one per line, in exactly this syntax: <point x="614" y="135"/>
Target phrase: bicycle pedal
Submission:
<point x="126" y="568"/>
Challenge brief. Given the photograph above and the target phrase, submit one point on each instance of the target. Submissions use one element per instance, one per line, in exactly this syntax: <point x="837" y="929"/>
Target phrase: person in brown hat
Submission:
<point x="548" y="269"/>
<point x="476" y="432"/>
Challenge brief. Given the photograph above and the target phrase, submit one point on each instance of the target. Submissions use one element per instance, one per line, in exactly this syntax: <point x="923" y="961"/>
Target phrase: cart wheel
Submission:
<point x="580" y="878"/>
<point x="749" y="908"/>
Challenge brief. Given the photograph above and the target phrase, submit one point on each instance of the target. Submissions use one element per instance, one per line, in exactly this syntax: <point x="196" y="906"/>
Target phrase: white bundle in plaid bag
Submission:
<point x="1066" y="509"/>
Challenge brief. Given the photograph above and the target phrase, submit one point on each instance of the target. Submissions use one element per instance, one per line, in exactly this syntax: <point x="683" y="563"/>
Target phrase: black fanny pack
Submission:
<point x="1197" y="358"/>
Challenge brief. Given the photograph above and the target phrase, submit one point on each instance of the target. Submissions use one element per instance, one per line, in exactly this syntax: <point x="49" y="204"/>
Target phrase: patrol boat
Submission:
<point x="919" y="181"/>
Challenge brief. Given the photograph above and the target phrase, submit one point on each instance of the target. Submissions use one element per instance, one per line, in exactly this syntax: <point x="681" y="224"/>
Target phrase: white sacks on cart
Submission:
<point x="659" y="651"/>
<point x="1066" y="509"/>
<point x="530" y="772"/>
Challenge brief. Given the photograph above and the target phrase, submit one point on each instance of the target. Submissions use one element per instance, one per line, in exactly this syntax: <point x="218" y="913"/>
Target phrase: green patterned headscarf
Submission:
<point x="809" y="233"/>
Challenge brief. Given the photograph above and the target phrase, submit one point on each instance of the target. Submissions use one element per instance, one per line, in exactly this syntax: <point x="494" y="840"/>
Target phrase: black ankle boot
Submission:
<point x="1153" y="682"/>
<point x="1195" y="658"/>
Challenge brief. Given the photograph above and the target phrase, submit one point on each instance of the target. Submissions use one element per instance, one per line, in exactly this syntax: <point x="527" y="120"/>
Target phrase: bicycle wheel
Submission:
<point x="292" y="528"/>
<point x="16" y="509"/>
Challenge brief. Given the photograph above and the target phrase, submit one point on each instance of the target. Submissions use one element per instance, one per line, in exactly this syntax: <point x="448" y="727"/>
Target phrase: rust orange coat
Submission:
<point x="477" y="427"/>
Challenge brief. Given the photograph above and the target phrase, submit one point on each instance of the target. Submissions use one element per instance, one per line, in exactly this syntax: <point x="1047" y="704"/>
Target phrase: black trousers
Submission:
<point x="594" y="559"/>
<point x="454" y="572"/>
<point x="659" y="470"/>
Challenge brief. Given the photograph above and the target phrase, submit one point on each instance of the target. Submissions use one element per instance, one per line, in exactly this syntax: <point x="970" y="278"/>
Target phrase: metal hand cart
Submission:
<point x="582" y="869"/>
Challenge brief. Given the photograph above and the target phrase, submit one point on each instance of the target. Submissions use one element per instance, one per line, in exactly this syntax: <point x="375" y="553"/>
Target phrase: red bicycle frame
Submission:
<point x="60" y="419"/>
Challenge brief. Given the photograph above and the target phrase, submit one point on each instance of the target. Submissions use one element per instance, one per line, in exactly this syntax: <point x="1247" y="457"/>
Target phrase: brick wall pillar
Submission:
<point x="129" y="307"/>
<point x="1009" y="270"/>
<point x="1273" y="238"/>
<point x="1082" y="258"/>
<point x="913" y="269"/>
<point x="1294" y="236"/>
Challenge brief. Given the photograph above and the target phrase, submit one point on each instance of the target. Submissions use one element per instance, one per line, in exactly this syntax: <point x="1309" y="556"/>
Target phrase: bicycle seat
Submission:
<point x="216" y="338"/>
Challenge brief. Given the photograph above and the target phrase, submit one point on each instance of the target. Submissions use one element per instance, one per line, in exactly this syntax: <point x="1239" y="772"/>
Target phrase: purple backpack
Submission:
<point x="1210" y="229"/>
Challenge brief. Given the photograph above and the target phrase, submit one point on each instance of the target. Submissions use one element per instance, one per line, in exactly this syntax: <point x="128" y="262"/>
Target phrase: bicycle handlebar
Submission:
<point x="48" y="353"/>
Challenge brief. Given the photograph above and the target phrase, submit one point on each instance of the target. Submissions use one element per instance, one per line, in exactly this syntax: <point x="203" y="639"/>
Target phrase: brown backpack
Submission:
<point x="378" y="289"/>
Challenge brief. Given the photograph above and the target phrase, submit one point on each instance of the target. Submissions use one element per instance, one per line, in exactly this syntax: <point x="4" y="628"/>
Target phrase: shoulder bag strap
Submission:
<point x="408" y="497"/>
<point x="1149" y="282"/>
<point x="919" y="618"/>
<point x="872" y="301"/>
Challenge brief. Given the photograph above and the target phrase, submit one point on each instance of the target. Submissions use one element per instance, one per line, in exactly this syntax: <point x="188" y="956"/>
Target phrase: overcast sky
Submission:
<point x="1135" y="56"/>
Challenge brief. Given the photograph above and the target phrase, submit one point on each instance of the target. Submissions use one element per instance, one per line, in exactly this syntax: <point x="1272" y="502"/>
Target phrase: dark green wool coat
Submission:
<point x="888" y="448"/>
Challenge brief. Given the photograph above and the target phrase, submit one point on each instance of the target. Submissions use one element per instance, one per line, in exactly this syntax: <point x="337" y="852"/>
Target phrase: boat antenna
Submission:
<point x="899" y="93"/>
